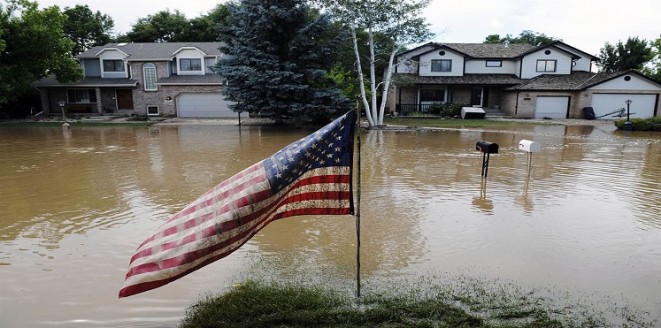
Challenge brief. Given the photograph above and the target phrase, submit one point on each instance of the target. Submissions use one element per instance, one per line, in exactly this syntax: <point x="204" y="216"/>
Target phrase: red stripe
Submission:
<point x="226" y="227"/>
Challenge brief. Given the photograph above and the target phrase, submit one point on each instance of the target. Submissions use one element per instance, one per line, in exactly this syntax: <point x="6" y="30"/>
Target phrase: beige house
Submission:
<point x="519" y="80"/>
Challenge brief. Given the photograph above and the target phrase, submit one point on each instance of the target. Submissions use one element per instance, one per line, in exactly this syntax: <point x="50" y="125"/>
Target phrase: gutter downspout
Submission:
<point x="516" y="105"/>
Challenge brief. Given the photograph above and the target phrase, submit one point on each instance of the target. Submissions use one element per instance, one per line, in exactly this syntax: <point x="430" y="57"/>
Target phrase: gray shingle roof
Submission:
<point x="573" y="82"/>
<point x="51" y="81"/>
<point x="151" y="51"/>
<point x="191" y="79"/>
<point x="490" y="50"/>
<point x="469" y="79"/>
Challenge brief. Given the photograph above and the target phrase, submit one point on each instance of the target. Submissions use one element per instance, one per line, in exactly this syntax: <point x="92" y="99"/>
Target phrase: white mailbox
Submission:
<point x="530" y="146"/>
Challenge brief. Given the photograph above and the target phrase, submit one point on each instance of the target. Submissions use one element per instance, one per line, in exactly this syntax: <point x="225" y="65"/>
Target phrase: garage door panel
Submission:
<point x="551" y="107"/>
<point x="642" y="106"/>
<point x="204" y="105"/>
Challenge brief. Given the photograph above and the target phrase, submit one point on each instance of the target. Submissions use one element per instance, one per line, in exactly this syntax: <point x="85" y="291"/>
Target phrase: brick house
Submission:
<point x="157" y="79"/>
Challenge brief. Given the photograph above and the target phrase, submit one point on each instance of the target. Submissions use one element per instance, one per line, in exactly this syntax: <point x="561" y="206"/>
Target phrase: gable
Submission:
<point x="559" y="59"/>
<point x="629" y="81"/>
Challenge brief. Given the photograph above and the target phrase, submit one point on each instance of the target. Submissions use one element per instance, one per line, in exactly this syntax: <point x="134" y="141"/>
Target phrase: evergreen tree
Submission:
<point x="277" y="57"/>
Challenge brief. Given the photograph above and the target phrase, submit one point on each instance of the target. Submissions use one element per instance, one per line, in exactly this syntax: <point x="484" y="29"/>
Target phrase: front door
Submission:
<point x="124" y="98"/>
<point x="476" y="96"/>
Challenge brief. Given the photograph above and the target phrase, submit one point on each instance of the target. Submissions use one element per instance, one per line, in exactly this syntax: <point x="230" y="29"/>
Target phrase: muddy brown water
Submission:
<point x="74" y="207"/>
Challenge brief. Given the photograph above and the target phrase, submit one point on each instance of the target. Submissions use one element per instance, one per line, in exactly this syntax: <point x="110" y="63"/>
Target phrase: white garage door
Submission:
<point x="551" y="107"/>
<point x="205" y="105"/>
<point x="642" y="106"/>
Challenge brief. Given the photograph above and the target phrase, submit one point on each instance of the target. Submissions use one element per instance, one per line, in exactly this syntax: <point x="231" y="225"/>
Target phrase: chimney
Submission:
<point x="507" y="44"/>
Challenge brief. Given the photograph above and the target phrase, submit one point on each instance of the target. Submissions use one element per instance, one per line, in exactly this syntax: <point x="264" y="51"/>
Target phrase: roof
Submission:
<point x="152" y="50"/>
<point x="469" y="79"/>
<point x="51" y="81"/>
<point x="576" y="81"/>
<point x="500" y="50"/>
<point x="191" y="79"/>
<point x="491" y="50"/>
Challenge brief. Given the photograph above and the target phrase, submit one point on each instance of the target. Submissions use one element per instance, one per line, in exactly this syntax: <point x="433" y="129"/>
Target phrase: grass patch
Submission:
<point x="466" y="303"/>
<point x="451" y="123"/>
<point x="641" y="124"/>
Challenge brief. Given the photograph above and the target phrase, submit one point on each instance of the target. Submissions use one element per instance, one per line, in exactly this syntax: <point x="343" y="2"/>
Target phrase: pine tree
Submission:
<point x="278" y="53"/>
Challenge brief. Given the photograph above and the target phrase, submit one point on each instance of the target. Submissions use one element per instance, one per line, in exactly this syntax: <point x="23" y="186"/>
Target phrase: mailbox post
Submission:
<point x="529" y="147"/>
<point x="486" y="148"/>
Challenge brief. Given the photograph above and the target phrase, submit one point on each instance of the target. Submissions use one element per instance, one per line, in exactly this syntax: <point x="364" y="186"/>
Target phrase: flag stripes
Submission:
<point x="312" y="176"/>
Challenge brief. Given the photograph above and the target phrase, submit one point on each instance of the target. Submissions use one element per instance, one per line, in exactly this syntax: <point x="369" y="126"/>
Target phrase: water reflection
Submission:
<point x="73" y="208"/>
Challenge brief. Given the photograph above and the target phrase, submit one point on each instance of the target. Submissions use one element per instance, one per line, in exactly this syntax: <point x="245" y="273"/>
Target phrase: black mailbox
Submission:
<point x="487" y="147"/>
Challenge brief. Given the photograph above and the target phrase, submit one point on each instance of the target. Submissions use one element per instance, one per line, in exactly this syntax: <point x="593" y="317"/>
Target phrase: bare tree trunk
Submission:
<point x="386" y="86"/>
<point x="361" y="79"/>
<point x="375" y="113"/>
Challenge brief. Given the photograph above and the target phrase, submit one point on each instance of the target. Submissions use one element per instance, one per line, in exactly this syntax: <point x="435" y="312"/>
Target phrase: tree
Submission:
<point x="526" y="36"/>
<point x="398" y="22"/>
<point x="277" y="57"/>
<point x="34" y="47"/>
<point x="86" y="28"/>
<point x="653" y="69"/>
<point x="206" y="27"/>
<point x="625" y="56"/>
<point x="164" y="26"/>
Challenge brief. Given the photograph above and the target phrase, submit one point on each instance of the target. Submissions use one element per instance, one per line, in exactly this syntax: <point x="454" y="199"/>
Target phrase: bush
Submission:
<point x="641" y="124"/>
<point x="446" y="109"/>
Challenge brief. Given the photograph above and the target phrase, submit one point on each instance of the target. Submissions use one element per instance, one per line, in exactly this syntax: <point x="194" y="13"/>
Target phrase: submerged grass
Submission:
<point x="465" y="303"/>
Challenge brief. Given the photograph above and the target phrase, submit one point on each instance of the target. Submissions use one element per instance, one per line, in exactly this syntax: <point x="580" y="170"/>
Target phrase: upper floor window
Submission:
<point x="545" y="65"/>
<point x="494" y="63"/>
<point x="441" y="65"/>
<point x="149" y="75"/>
<point x="113" y="65"/>
<point x="190" y="64"/>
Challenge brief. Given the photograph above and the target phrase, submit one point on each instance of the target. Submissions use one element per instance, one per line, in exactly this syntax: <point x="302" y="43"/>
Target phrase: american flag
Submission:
<point x="311" y="176"/>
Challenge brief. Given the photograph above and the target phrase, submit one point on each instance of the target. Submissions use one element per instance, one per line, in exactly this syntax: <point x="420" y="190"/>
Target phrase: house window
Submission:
<point x="152" y="110"/>
<point x="544" y="65"/>
<point x="81" y="96"/>
<point x="149" y="75"/>
<point x="190" y="64"/>
<point x="432" y="95"/>
<point x="494" y="63"/>
<point x="441" y="65"/>
<point x="113" y="65"/>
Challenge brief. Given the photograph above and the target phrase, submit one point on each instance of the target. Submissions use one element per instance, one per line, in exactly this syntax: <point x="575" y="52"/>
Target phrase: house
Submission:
<point x="157" y="79"/>
<point x="524" y="81"/>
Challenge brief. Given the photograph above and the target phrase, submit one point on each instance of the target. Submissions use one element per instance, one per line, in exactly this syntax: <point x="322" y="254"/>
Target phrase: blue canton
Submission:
<point x="331" y="145"/>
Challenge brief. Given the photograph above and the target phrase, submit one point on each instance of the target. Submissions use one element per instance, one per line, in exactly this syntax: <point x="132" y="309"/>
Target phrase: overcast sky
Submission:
<point x="583" y="24"/>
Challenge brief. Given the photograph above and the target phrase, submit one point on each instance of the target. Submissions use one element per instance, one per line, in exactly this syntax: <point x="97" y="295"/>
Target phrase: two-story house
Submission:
<point x="522" y="80"/>
<point x="156" y="79"/>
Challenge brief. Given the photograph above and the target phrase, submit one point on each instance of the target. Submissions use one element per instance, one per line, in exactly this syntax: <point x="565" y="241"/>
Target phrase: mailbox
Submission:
<point x="530" y="146"/>
<point x="487" y="147"/>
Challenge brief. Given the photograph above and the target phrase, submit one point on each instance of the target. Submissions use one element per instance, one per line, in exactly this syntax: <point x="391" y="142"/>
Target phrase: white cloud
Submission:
<point x="584" y="24"/>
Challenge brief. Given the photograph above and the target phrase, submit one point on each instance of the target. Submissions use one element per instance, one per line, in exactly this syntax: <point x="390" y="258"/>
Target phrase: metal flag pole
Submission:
<point x="357" y="207"/>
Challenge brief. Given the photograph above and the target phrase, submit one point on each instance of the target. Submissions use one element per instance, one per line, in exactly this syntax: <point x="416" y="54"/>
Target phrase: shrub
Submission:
<point x="641" y="124"/>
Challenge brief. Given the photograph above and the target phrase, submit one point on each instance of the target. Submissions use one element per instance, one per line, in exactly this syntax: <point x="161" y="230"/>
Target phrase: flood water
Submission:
<point x="587" y="219"/>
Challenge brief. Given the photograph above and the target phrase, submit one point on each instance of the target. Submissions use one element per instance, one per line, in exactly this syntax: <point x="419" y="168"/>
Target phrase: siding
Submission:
<point x="457" y="63"/>
<point x="479" y="66"/>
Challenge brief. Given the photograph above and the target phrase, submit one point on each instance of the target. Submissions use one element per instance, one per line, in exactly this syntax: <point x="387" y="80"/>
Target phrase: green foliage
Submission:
<point x="653" y="67"/>
<point x="632" y="54"/>
<point x="86" y="28"/>
<point x="526" y="36"/>
<point x="277" y="58"/>
<point x="164" y="26"/>
<point x="641" y="124"/>
<point x="447" y="109"/>
<point x="167" y="26"/>
<point x="34" y="47"/>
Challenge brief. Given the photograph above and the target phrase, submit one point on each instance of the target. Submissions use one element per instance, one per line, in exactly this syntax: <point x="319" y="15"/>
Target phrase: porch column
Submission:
<point x="45" y="105"/>
<point x="99" y="103"/>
